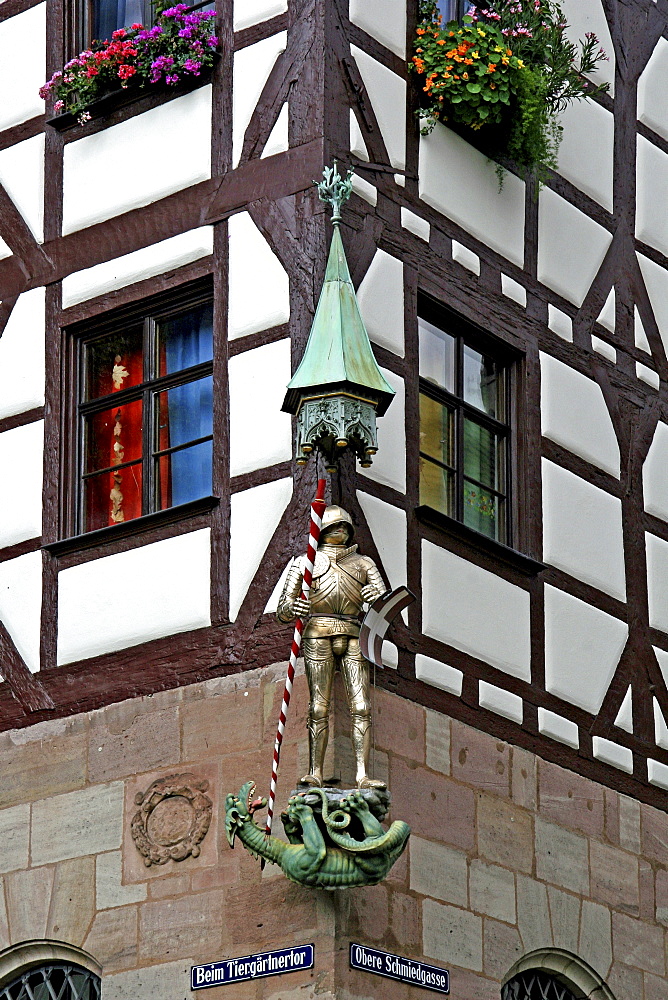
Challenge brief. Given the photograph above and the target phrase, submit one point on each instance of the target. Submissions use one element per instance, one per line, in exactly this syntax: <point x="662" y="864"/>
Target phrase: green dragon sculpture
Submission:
<point x="308" y="859"/>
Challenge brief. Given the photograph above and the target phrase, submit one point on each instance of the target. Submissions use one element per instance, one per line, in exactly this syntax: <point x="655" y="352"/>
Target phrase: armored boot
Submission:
<point x="361" y="736"/>
<point x="318" y="733"/>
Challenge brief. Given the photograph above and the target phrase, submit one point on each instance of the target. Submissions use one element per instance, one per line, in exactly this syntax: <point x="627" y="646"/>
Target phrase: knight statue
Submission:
<point x="343" y="580"/>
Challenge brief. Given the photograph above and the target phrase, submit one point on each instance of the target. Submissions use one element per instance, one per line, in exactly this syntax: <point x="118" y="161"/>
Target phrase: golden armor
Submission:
<point x="343" y="581"/>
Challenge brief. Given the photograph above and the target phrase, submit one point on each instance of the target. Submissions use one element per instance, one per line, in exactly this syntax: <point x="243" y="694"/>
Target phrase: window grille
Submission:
<point x="58" y="981"/>
<point x="534" y="985"/>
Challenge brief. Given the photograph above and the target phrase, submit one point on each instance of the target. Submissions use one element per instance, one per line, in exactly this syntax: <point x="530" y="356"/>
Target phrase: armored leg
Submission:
<point x="355" y="670"/>
<point x="319" y="662"/>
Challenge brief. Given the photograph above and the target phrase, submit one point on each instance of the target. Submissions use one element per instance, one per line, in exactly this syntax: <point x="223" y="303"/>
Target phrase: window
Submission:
<point x="57" y="981"/>
<point x="144" y="412"/>
<point x="535" y="985"/>
<point x="464" y="426"/>
<point x="102" y="17"/>
<point x="453" y="10"/>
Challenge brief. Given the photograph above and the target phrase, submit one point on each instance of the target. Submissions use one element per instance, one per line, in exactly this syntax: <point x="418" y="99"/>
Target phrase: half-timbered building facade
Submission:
<point x="160" y="265"/>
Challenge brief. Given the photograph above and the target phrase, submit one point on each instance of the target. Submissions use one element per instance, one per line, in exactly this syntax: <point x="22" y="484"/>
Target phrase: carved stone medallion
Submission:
<point x="172" y="820"/>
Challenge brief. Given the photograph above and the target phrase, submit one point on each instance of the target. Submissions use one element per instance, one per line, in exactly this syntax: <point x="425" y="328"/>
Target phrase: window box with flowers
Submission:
<point x="506" y="71"/>
<point x="178" y="50"/>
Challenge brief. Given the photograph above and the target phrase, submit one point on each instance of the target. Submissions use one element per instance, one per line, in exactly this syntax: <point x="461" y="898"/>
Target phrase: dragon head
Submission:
<point x="239" y="809"/>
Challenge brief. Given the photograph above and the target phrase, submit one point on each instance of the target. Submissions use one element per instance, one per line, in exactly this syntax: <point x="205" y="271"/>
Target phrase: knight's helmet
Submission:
<point x="335" y="515"/>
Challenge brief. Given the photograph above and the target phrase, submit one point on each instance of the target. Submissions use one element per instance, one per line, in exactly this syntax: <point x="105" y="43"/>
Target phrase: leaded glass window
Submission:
<point x="536" y="985"/>
<point x="464" y="427"/>
<point x="58" y="981"/>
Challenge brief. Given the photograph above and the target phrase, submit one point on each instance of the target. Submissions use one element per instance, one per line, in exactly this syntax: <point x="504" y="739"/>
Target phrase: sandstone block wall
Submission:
<point x="508" y="854"/>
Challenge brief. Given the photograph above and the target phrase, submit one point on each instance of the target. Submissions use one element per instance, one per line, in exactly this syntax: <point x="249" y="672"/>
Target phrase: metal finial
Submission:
<point x="335" y="190"/>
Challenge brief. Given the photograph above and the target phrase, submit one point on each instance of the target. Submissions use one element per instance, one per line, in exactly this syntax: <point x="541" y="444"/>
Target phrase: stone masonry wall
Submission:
<point x="508" y="853"/>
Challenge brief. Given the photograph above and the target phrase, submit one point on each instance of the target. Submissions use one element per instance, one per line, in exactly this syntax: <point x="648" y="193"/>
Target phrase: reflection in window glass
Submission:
<point x="464" y="432"/>
<point x="151" y="449"/>
<point x="453" y="10"/>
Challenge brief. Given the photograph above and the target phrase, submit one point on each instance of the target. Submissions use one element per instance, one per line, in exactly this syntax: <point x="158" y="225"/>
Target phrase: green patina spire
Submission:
<point x="338" y="353"/>
<point x="338" y="390"/>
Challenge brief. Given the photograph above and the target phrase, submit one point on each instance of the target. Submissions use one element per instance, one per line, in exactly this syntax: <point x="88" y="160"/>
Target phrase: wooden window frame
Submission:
<point x="511" y="356"/>
<point x="146" y="311"/>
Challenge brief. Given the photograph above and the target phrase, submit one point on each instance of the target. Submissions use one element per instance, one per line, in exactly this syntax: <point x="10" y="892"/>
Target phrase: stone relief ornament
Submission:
<point x="172" y="820"/>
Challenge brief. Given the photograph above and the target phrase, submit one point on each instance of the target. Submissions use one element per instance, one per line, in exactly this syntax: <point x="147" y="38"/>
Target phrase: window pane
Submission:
<point x="483" y="511"/>
<point x="437" y="487"/>
<point x="483" y="383"/>
<point x="437" y="356"/>
<point x="436" y="430"/>
<point x="452" y="10"/>
<point x="108" y="15"/>
<point x="483" y="455"/>
<point x="184" y="475"/>
<point x="113" y="436"/>
<point x="113" y="363"/>
<point x="186" y="340"/>
<point x="113" y="497"/>
<point x="185" y="413"/>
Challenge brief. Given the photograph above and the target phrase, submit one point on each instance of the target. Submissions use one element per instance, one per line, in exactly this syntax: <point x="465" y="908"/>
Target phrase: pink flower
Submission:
<point x="58" y="106"/>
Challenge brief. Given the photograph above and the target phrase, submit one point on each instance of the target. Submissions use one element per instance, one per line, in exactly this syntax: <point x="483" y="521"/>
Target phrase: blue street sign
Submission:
<point x="236" y="970"/>
<point x="406" y="970"/>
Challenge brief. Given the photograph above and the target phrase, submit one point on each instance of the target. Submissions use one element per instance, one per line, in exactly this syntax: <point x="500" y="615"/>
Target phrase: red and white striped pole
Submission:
<point x="317" y="510"/>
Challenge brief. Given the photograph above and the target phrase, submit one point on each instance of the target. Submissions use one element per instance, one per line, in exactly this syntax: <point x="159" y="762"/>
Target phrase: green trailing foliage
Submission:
<point x="509" y="64"/>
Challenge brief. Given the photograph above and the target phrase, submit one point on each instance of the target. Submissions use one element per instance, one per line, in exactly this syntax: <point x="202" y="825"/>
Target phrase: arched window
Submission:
<point x="553" y="974"/>
<point x="48" y="970"/>
<point x="535" y="985"/>
<point x="57" y="981"/>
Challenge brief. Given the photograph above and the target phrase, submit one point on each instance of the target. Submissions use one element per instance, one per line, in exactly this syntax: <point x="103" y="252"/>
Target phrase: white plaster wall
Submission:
<point x="389" y="465"/>
<point x="657" y="581"/>
<point x="662" y="660"/>
<point x="513" y="290"/>
<point x="571" y="247"/>
<point x="613" y="753"/>
<point x="574" y="414"/>
<point x="388" y="527"/>
<point x="588" y="126"/>
<point x="582" y="530"/>
<point x="606" y="317"/>
<point x="415" y="224"/>
<point x="500" y="702"/>
<point x="22" y="175"/>
<point x="557" y="728"/>
<point x="560" y="323"/>
<point x="255" y="514"/>
<point x="251" y="260"/>
<point x="582" y="649"/>
<point x="21" y="451"/>
<point x="654" y="478"/>
<point x="384" y="20"/>
<point x="364" y="190"/>
<point x="5" y="250"/>
<point x="137" y="161"/>
<point x="387" y="93"/>
<point x="475" y="611"/>
<point x="278" y="141"/>
<point x="381" y="301"/>
<point x="135" y="266"/>
<point x="248" y="12"/>
<point x="656" y="282"/>
<point x="657" y="773"/>
<point x="23" y="65"/>
<point x="660" y="727"/>
<point x="460" y="182"/>
<point x="640" y="336"/>
<point x="624" y="718"/>
<point x="260" y="434"/>
<point x="652" y="90"/>
<point x="21" y="604"/>
<point x="252" y="66"/>
<point x="22" y="355"/>
<point x="132" y="597"/>
<point x="651" y="191"/>
<point x="438" y="674"/>
<point x="588" y="15"/>
<point x="357" y="143"/>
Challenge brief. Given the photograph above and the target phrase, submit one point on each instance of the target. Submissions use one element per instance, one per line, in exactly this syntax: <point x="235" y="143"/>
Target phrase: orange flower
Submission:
<point x="491" y="68"/>
<point x="469" y="62"/>
<point x="441" y="41"/>
<point x="421" y="31"/>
